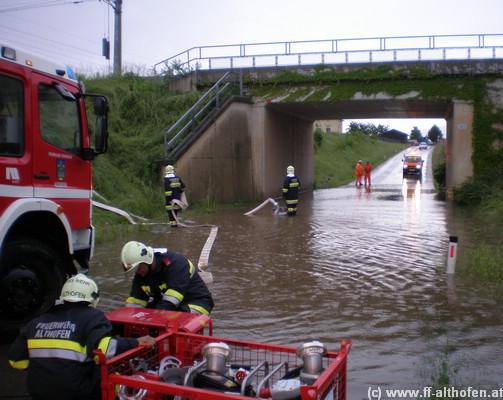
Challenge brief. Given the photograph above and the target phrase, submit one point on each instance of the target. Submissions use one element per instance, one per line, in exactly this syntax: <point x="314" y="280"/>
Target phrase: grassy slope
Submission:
<point x="128" y="175"/>
<point x="335" y="158"/>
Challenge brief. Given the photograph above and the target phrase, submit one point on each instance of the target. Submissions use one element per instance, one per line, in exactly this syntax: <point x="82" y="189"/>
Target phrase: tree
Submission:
<point x="434" y="134"/>
<point x="368" y="129"/>
<point x="415" y="134"/>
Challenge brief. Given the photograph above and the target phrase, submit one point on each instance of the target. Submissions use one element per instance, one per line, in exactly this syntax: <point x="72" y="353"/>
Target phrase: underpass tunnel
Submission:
<point x="244" y="154"/>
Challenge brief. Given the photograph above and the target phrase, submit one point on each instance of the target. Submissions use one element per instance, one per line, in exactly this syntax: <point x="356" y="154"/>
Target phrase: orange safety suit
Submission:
<point x="359" y="172"/>
<point x="367" y="168"/>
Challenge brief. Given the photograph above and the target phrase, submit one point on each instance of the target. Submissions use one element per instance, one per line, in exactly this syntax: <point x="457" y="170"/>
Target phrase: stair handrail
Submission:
<point x="189" y="119"/>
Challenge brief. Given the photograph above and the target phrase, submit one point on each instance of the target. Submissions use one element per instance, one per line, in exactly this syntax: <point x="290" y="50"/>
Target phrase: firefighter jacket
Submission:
<point x="58" y="347"/>
<point x="172" y="283"/>
<point x="173" y="188"/>
<point x="291" y="186"/>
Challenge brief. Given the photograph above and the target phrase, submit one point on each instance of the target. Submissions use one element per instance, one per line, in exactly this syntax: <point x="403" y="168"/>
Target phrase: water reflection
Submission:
<point x="411" y="190"/>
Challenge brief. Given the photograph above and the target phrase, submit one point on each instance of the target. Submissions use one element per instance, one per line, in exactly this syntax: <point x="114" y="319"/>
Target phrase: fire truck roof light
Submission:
<point x="41" y="63"/>
<point x="70" y="73"/>
<point x="9" y="53"/>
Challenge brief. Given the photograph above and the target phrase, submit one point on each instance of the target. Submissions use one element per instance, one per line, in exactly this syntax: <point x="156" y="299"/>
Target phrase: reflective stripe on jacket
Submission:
<point x="173" y="188"/>
<point x="291" y="186"/>
<point x="58" y="347"/>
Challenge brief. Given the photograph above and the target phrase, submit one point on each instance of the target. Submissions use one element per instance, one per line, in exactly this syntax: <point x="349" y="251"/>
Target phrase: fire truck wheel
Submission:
<point x="31" y="278"/>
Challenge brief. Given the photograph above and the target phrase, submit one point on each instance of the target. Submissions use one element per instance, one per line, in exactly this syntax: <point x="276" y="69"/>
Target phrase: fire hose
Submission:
<point x="277" y="210"/>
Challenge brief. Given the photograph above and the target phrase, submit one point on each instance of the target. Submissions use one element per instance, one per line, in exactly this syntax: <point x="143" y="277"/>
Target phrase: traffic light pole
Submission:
<point x="117" y="7"/>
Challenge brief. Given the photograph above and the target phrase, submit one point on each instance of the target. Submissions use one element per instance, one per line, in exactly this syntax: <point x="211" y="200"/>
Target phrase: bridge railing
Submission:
<point x="336" y="51"/>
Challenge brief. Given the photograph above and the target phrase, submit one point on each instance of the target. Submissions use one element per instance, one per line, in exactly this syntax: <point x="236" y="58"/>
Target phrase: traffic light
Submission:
<point x="105" y="48"/>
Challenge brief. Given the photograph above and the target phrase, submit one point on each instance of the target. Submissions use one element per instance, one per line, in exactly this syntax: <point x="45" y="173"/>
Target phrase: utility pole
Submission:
<point x="117" y="7"/>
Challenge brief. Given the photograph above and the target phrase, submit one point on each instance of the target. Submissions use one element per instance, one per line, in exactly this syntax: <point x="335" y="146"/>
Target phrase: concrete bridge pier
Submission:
<point x="459" y="149"/>
<point x="244" y="155"/>
<point x="279" y="140"/>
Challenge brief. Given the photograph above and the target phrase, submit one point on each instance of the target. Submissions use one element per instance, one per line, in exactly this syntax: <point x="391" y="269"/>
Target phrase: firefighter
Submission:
<point x="164" y="280"/>
<point x="291" y="186"/>
<point x="367" y="169"/>
<point x="359" y="173"/>
<point x="58" y="347"/>
<point x="173" y="189"/>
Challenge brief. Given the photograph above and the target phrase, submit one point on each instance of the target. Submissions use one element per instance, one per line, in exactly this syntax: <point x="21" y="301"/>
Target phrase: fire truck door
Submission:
<point x="59" y="173"/>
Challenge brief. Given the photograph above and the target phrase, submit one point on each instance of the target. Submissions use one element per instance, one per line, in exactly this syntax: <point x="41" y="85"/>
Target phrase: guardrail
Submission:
<point x="335" y="51"/>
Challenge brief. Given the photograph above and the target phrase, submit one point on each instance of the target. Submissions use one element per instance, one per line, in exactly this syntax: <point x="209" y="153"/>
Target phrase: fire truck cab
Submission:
<point x="46" y="231"/>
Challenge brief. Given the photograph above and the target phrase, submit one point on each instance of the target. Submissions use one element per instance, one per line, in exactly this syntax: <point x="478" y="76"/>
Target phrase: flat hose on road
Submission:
<point x="277" y="209"/>
<point x="205" y="252"/>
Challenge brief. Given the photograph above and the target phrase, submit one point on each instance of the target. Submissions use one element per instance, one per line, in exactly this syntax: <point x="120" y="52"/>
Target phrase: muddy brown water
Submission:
<point x="365" y="264"/>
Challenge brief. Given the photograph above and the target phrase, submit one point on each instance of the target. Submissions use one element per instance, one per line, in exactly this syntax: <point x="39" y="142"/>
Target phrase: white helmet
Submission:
<point x="134" y="253"/>
<point x="80" y="288"/>
<point x="290" y="170"/>
<point x="169" y="169"/>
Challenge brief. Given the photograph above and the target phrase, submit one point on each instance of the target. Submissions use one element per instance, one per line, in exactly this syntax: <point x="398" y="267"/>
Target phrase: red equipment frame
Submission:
<point x="135" y="322"/>
<point x="267" y="364"/>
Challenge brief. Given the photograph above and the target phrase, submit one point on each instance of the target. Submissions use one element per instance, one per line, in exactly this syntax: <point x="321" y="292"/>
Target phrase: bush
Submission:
<point x="318" y="138"/>
<point x="439" y="175"/>
<point x="472" y="193"/>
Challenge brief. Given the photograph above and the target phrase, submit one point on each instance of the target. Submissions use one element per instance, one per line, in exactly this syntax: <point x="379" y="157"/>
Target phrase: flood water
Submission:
<point x="368" y="265"/>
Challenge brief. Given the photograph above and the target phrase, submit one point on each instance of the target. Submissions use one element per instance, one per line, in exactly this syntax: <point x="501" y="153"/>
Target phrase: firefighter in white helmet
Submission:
<point x="57" y="348"/>
<point x="291" y="187"/>
<point x="173" y="189"/>
<point x="164" y="280"/>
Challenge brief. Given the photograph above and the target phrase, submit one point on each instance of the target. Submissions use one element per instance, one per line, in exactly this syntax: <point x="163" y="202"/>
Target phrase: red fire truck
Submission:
<point x="46" y="230"/>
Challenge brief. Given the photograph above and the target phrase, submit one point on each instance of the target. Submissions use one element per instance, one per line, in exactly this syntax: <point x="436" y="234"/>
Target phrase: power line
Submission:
<point x="51" y="39"/>
<point x="116" y="5"/>
<point x="30" y="6"/>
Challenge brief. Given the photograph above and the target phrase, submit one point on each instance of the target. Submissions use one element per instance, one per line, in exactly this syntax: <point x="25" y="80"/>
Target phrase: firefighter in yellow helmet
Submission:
<point x="173" y="189"/>
<point x="164" y="280"/>
<point x="57" y="348"/>
<point x="291" y="187"/>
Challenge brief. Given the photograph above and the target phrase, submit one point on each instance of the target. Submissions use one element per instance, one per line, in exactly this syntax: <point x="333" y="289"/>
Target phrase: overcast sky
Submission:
<point x="153" y="30"/>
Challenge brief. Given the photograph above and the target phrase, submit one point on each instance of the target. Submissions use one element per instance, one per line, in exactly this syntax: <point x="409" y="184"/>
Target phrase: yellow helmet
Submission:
<point x="134" y="253"/>
<point x="80" y="288"/>
<point x="169" y="169"/>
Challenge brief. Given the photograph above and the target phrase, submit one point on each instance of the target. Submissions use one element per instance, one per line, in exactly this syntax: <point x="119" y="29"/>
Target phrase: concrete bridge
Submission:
<point x="244" y="153"/>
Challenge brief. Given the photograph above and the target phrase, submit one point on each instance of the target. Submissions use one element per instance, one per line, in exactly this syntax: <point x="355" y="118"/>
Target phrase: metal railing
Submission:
<point x="337" y="51"/>
<point x="189" y="126"/>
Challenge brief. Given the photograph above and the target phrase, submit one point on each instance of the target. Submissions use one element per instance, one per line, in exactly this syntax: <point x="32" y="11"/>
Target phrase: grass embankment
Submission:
<point x="482" y="260"/>
<point x="480" y="203"/>
<point x="128" y="175"/>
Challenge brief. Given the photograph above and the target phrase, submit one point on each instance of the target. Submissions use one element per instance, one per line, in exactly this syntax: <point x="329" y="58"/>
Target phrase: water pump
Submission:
<point x="312" y="354"/>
